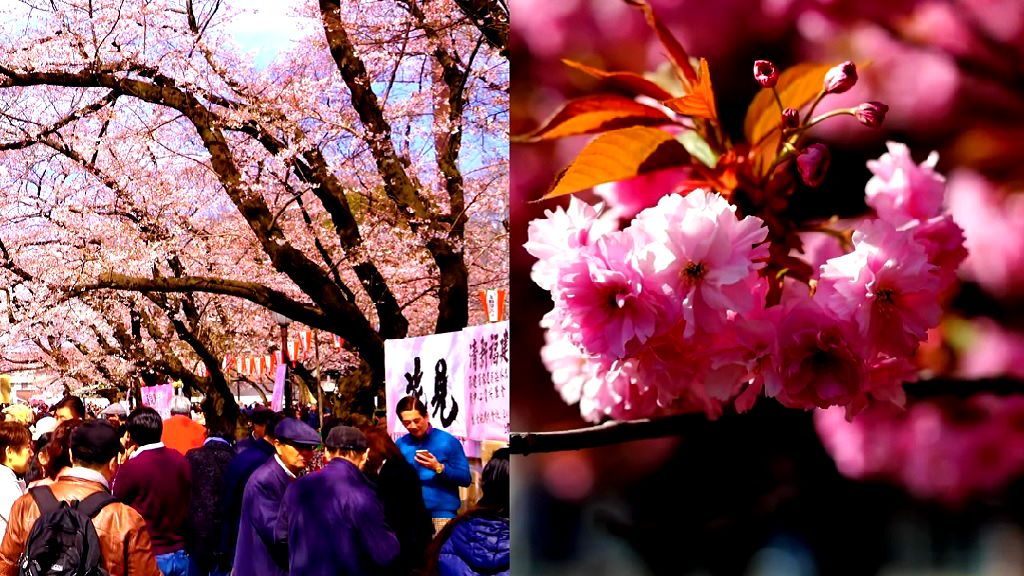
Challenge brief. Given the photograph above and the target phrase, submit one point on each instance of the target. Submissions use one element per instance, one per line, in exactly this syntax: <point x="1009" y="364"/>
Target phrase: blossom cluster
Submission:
<point x="948" y="450"/>
<point x="671" y="312"/>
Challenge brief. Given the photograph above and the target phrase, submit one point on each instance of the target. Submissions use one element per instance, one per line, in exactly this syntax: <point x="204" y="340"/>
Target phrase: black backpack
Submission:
<point x="63" y="540"/>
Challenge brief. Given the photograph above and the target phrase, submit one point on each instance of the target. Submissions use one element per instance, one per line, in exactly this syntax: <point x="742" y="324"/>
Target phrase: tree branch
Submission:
<point x="604" y="434"/>
<point x="491" y="18"/>
<point x="257" y="293"/>
<point x="616" y="432"/>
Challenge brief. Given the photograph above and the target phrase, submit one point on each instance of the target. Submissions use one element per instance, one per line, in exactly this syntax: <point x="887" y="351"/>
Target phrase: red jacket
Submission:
<point x="183" y="433"/>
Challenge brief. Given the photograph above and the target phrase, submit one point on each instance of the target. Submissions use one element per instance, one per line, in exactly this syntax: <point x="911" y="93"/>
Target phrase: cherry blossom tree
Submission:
<point x="162" y="192"/>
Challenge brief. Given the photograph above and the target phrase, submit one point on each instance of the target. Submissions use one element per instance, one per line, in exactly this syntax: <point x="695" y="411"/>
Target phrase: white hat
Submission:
<point x="181" y="405"/>
<point x="115" y="409"/>
<point x="45" y="425"/>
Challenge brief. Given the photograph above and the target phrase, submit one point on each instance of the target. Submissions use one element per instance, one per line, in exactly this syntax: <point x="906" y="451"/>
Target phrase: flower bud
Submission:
<point x="812" y="164"/>
<point x="871" y="114"/>
<point x="765" y="73"/>
<point x="790" y="118"/>
<point x="841" y="78"/>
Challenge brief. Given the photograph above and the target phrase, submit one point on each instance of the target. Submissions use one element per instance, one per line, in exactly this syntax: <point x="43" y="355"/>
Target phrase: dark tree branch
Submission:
<point x="256" y="293"/>
<point x="604" y="434"/>
<point x="617" y="432"/>
<point x="491" y="18"/>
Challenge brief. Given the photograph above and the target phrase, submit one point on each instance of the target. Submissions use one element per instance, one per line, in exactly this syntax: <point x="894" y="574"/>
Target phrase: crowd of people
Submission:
<point x="148" y="496"/>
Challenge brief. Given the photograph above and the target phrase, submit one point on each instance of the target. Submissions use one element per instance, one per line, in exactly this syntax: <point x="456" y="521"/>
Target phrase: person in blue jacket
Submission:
<point x="477" y="542"/>
<point x="256" y="552"/>
<point x="332" y="521"/>
<point x="438" y="459"/>
<point x="239" y="471"/>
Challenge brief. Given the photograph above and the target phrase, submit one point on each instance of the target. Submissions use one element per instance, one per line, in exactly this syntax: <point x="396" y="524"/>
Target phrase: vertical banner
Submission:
<point x="431" y="367"/>
<point x="158" y="398"/>
<point x="486" y="349"/>
<point x="493" y="301"/>
<point x="277" y="400"/>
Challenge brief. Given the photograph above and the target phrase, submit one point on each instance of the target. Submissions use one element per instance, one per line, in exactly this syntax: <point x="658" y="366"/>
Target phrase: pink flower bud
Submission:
<point x="841" y="78"/>
<point x="871" y="114"/>
<point x="790" y="118"/>
<point x="765" y="73"/>
<point x="812" y="164"/>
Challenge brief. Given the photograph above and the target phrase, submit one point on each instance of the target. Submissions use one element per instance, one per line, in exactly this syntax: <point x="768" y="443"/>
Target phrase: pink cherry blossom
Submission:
<point x="609" y="306"/>
<point x="554" y="239"/>
<point x="993" y="224"/>
<point x="902" y="190"/>
<point x="943" y="241"/>
<point x="886" y="286"/>
<point x="995" y="351"/>
<point x="702" y="255"/>
<point x="819" y="360"/>
<point x="677" y="367"/>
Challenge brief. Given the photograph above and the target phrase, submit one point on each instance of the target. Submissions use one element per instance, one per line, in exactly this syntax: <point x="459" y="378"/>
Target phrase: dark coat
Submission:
<point x="256" y="553"/>
<point x="478" y="546"/>
<point x="247" y="442"/>
<point x="399" y="489"/>
<point x="206" y="513"/>
<point x="239" y="471"/>
<point x="333" y="523"/>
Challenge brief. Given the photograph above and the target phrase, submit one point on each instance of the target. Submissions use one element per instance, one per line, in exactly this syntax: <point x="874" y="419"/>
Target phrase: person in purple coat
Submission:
<point x="332" y="521"/>
<point x="256" y="552"/>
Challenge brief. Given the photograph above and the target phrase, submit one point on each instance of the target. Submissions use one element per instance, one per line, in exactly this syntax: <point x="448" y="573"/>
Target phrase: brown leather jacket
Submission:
<point x="122" y="532"/>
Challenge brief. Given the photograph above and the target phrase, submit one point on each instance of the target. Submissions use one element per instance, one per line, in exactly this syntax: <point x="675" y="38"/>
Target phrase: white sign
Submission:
<point x="486" y="349"/>
<point x="158" y="398"/>
<point x="433" y="368"/>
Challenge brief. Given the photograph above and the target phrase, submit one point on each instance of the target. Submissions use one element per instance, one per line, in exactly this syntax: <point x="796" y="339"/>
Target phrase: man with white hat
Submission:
<point x="115" y="414"/>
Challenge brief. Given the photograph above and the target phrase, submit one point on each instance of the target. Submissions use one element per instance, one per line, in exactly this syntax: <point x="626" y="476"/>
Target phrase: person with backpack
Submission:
<point x="74" y="525"/>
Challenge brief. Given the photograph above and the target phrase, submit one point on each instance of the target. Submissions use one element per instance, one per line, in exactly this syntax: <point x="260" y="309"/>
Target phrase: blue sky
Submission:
<point x="267" y="29"/>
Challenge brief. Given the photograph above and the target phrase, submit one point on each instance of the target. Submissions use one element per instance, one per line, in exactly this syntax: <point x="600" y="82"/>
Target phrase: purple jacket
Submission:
<point x="255" y="552"/>
<point x="333" y="523"/>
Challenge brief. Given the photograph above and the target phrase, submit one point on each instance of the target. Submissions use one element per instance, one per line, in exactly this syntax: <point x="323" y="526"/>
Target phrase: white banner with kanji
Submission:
<point x="433" y="368"/>
<point x="158" y="398"/>
<point x="485" y="349"/>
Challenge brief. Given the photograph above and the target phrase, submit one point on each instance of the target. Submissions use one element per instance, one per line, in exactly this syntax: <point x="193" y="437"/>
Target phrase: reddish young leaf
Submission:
<point x="597" y="113"/>
<point x="796" y="86"/>
<point x="700" y="102"/>
<point x="627" y="82"/>
<point x="619" y="155"/>
<point x="676" y="53"/>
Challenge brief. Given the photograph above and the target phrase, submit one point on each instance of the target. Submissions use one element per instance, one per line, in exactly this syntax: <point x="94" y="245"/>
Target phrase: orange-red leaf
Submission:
<point x="796" y="86"/>
<point x="700" y="102"/>
<point x="597" y="113"/>
<point x="676" y="53"/>
<point x="619" y="155"/>
<point x="627" y="82"/>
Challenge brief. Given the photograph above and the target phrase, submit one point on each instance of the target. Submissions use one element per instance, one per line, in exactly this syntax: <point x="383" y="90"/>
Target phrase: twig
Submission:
<point x="603" y="434"/>
<point x="616" y="432"/>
